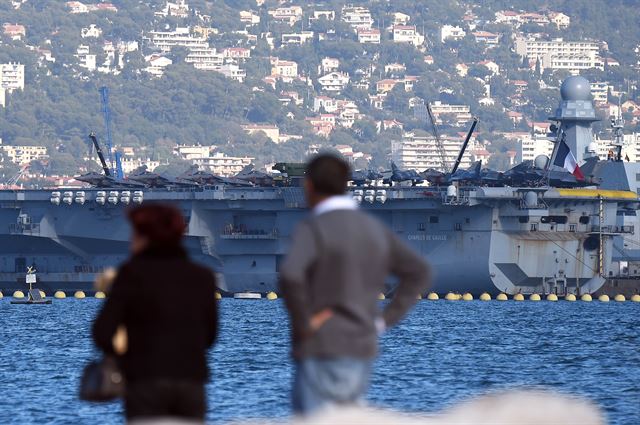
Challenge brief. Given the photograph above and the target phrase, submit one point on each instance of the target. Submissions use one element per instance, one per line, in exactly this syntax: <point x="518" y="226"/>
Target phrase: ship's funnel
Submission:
<point x="575" y="115"/>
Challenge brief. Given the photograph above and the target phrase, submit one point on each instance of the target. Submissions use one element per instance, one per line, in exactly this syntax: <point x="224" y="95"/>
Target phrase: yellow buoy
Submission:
<point x="100" y="295"/>
<point x="218" y="296"/>
<point x="552" y="297"/>
<point x="272" y="296"/>
<point x="59" y="295"/>
<point x="451" y="297"/>
<point x="381" y="296"/>
<point x="620" y="298"/>
<point x="635" y="298"/>
<point x="570" y="297"/>
<point x="603" y="298"/>
<point x="502" y="297"/>
<point x="433" y="296"/>
<point x="485" y="297"/>
<point x="18" y="294"/>
<point x="1" y="295"/>
<point x="42" y="293"/>
<point x="586" y="297"/>
<point x="467" y="297"/>
<point x="534" y="297"/>
<point x="518" y="297"/>
<point x="79" y="295"/>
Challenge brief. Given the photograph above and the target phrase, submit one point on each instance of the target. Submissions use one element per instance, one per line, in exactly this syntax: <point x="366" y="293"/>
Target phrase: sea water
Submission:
<point x="442" y="353"/>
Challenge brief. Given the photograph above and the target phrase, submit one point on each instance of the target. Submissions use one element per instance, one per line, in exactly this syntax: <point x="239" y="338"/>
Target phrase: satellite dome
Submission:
<point x="541" y="161"/>
<point x="575" y="88"/>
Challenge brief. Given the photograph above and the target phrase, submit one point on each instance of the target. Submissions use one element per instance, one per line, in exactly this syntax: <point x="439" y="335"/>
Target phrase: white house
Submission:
<point x="297" y="38"/>
<point x="407" y="34"/>
<point x="157" y="64"/>
<point x="451" y="32"/>
<point x="91" y="31"/>
<point x="358" y="17"/>
<point x="334" y="81"/>
<point x="369" y="36"/>
<point x="329" y="65"/>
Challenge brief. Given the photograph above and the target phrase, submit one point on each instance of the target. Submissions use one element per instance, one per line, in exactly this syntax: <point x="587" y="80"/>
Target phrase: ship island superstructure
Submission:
<point x="480" y="235"/>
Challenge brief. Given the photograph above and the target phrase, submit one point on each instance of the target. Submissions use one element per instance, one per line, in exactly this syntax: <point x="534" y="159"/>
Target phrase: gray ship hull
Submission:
<point x="481" y="240"/>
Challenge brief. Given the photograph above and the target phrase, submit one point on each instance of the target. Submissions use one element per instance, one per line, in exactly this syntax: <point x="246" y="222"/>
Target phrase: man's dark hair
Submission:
<point x="329" y="174"/>
<point x="162" y="225"/>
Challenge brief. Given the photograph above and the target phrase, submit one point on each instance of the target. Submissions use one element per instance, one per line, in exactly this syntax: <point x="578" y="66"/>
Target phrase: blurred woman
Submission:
<point x="167" y="305"/>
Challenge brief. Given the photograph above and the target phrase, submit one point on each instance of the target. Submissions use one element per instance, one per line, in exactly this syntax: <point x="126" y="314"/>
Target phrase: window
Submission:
<point x="421" y="227"/>
<point x="584" y="219"/>
<point x="534" y="227"/>
<point x="572" y="227"/>
<point x="434" y="219"/>
<point x="467" y="220"/>
<point x="458" y="226"/>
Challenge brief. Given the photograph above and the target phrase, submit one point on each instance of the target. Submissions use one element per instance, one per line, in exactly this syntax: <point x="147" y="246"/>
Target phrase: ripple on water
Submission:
<point x="443" y="353"/>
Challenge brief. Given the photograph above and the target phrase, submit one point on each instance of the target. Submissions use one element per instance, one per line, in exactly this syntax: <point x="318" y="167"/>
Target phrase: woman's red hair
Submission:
<point x="160" y="224"/>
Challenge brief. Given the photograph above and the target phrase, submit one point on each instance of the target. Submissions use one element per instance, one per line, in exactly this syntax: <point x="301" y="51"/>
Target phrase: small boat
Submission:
<point x="33" y="297"/>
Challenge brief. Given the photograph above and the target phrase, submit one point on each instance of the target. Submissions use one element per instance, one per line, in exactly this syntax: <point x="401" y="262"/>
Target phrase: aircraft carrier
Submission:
<point x="532" y="229"/>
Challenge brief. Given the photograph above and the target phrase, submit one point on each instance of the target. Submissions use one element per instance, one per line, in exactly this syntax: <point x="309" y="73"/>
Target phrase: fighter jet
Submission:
<point x="251" y="175"/>
<point x="100" y="180"/>
<point x="149" y="179"/>
<point x="204" y="178"/>
<point x="364" y="177"/>
<point x="472" y="174"/>
<point x="398" y="176"/>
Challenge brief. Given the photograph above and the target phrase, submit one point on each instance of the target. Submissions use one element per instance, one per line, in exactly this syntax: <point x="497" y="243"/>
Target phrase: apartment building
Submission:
<point x="23" y="155"/>
<point x="284" y="69"/>
<point x="233" y="72"/>
<point x="371" y="36"/>
<point x="289" y="15"/>
<point x="459" y="114"/>
<point x="166" y="40"/>
<point x="358" y="17"/>
<point x="206" y="59"/>
<point x="419" y="151"/>
<point x="334" y="81"/>
<point x="12" y="76"/>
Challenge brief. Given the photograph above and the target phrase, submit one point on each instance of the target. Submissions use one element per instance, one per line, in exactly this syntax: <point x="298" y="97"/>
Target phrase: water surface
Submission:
<point x="442" y="353"/>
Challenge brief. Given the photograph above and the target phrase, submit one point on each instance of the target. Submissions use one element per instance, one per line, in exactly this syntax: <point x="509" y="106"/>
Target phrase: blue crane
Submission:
<point x="115" y="162"/>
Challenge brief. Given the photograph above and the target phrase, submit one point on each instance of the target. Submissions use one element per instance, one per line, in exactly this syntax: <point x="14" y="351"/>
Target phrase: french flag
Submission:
<point x="566" y="160"/>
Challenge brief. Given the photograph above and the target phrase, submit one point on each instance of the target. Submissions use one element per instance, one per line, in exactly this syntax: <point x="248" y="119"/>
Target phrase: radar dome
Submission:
<point x="575" y="88"/>
<point x="541" y="161"/>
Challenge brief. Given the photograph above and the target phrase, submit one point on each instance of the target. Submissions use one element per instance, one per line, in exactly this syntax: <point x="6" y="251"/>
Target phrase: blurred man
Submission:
<point x="167" y="305"/>
<point x="337" y="265"/>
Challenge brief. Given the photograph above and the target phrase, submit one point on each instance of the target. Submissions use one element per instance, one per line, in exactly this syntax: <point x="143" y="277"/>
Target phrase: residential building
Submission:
<point x="130" y="164"/>
<point x="559" y="19"/>
<point x="236" y="52"/>
<point x="289" y="15"/>
<point x="534" y="18"/>
<point x="573" y="63"/>
<point x="386" y="85"/>
<point x="14" y="31"/>
<point x="92" y="31"/>
<point x="320" y="127"/>
<point x="297" y="38"/>
<point x="531" y="146"/>
<point x="85" y="58"/>
<point x="12" y="76"/>
<point x="287" y="70"/>
<point x="334" y="81"/>
<point x="23" y="155"/>
<point x="179" y="9"/>
<point x="532" y="48"/>
<point x="3" y="97"/>
<point x="207" y="59"/>
<point x="451" y="32"/>
<point x="329" y="65"/>
<point x="600" y="92"/>
<point x="191" y="152"/>
<point x="270" y="130"/>
<point x="459" y="114"/>
<point x="368" y="36"/>
<point x="493" y="67"/>
<point x="507" y="17"/>
<point x="233" y="72"/>
<point x="358" y="17"/>
<point x="325" y="103"/>
<point x="206" y="158"/>
<point x="77" y="7"/>
<point x="394" y="68"/>
<point x="419" y="151"/>
<point x="486" y="37"/>
<point x="400" y="18"/>
<point x="157" y="64"/>
<point x="329" y="15"/>
<point x="407" y="34"/>
<point x="248" y="17"/>
<point x="166" y="40"/>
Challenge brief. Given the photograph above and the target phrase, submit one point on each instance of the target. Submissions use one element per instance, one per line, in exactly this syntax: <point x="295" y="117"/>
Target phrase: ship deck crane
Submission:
<point x="439" y="145"/>
<point x="115" y="163"/>
<point x="105" y="166"/>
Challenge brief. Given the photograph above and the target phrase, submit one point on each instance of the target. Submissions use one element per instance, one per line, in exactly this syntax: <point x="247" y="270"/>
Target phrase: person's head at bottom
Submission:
<point x="156" y="226"/>
<point x="326" y="175"/>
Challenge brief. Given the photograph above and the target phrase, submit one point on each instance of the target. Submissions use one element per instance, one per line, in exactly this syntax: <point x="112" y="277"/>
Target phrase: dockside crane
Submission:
<point x="439" y="145"/>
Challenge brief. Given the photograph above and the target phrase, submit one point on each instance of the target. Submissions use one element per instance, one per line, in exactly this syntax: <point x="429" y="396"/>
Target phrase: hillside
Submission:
<point x="71" y="49"/>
